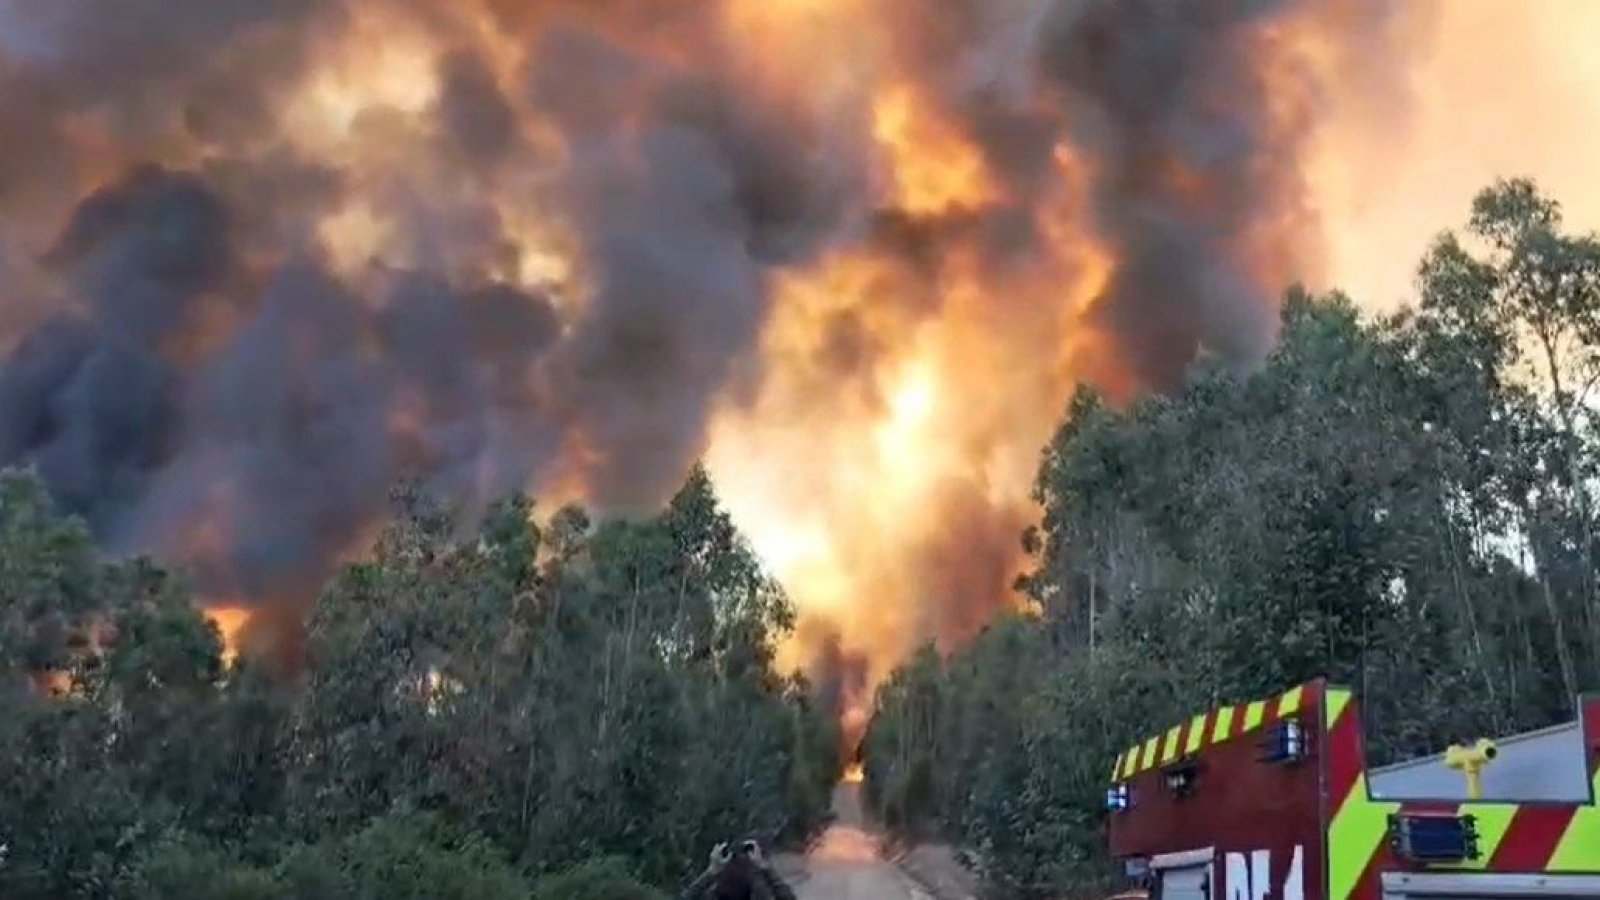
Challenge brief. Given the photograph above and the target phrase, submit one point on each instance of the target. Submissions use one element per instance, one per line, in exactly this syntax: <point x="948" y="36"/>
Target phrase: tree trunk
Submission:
<point x="1564" y="409"/>
<point x="1470" y="611"/>
<point x="1569" y="678"/>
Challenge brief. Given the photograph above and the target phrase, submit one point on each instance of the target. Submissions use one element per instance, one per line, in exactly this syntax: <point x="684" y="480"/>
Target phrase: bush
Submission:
<point x="181" y="867"/>
<point x="396" y="857"/>
<point x="600" y="879"/>
<point x="402" y="857"/>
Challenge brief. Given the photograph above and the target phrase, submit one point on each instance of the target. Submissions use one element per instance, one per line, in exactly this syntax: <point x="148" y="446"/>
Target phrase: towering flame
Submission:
<point x="260" y="259"/>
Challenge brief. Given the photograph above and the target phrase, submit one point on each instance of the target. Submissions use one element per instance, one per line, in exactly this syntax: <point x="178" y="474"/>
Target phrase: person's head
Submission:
<point x="738" y="880"/>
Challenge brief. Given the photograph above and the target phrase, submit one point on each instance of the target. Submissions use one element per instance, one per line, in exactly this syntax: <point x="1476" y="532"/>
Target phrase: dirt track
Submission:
<point x="846" y="864"/>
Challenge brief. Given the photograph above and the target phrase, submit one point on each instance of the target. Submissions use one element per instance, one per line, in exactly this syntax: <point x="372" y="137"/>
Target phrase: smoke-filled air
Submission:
<point x="259" y="260"/>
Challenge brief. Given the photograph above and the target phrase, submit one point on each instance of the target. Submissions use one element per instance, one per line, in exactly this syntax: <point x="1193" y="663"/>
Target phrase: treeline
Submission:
<point x="507" y="711"/>
<point x="1404" y="504"/>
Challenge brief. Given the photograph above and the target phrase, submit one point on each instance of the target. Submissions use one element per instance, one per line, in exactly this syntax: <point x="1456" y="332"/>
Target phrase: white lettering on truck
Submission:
<point x="1251" y="879"/>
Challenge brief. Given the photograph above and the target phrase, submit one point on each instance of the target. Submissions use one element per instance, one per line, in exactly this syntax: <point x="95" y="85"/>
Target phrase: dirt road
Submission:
<point x="846" y="864"/>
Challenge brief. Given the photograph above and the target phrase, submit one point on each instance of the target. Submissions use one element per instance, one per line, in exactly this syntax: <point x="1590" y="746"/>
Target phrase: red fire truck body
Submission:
<point x="1273" y="800"/>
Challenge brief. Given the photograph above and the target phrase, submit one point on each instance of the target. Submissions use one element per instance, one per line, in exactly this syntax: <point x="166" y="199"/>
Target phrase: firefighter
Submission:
<point x="742" y="874"/>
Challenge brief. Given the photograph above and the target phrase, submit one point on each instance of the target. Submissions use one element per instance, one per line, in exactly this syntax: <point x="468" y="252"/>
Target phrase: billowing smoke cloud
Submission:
<point x="1099" y="190"/>
<point x="262" y="259"/>
<point x="1200" y="189"/>
<point x="687" y="195"/>
<point x="840" y="683"/>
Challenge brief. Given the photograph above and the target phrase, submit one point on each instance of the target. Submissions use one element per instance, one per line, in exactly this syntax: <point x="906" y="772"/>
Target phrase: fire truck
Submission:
<point x="1273" y="800"/>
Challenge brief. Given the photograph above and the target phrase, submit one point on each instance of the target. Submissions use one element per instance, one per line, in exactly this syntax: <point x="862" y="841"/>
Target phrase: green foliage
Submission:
<point x="402" y="857"/>
<point x="48" y="580"/>
<point x="396" y="857"/>
<point x="1402" y="504"/>
<point x="182" y="868"/>
<point x="476" y="705"/>
<point x="603" y="879"/>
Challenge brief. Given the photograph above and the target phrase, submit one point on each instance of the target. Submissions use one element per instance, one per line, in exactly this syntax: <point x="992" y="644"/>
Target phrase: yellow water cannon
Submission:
<point x="1470" y="761"/>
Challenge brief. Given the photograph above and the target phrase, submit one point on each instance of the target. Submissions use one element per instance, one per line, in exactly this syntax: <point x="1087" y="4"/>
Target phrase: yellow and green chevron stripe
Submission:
<point x="1200" y="732"/>
<point x="1529" y="837"/>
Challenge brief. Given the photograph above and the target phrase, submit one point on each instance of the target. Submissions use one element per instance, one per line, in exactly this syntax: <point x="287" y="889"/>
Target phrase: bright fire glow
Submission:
<point x="230" y="621"/>
<point x="845" y="844"/>
<point x="840" y="471"/>
<point x="881" y="440"/>
<point x="933" y="171"/>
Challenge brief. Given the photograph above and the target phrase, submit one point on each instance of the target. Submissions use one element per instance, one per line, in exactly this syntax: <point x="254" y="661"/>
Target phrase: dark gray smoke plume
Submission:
<point x="686" y="207"/>
<point x="250" y="275"/>
<point x="1195" y="118"/>
<point x="208" y="385"/>
<point x="1193" y="165"/>
<point x="88" y="397"/>
<point x="841" y="686"/>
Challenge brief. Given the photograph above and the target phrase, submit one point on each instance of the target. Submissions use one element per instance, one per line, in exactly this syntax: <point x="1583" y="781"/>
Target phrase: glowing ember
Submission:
<point x="55" y="683"/>
<point x="855" y="774"/>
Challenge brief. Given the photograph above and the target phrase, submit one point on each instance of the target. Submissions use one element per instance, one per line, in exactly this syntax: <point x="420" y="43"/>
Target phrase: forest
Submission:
<point x="1402" y="503"/>
<point x="552" y="706"/>
<point x="561" y="710"/>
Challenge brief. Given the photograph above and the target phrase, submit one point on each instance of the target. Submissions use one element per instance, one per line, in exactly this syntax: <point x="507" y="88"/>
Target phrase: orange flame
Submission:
<point x="230" y="622"/>
<point x="54" y="683"/>
<point x="934" y="171"/>
<point x="882" y="460"/>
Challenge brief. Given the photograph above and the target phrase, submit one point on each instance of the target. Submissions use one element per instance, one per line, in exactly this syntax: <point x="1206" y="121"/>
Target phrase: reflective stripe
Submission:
<point x="1579" y="848"/>
<point x="1253" y="714"/>
<point x="1289" y="702"/>
<point x="1334" y="704"/>
<point x="1224" y="723"/>
<point x="1197" y="733"/>
<point x="1203" y="730"/>
<point x="1555" y="838"/>
<point x="1493" y="821"/>
<point x="1353" y="836"/>
<point x="1536" y="830"/>
<point x="1171" y="751"/>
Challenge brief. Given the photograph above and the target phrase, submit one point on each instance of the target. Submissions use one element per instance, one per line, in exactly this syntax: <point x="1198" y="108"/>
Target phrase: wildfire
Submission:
<point x="230" y="622"/>
<point x="933" y="171"/>
<point x="53" y="683"/>
<point x="857" y="255"/>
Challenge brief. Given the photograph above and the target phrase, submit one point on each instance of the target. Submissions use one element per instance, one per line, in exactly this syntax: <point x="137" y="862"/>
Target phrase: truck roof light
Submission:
<point x="1117" y="798"/>
<point x="1284" y="743"/>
